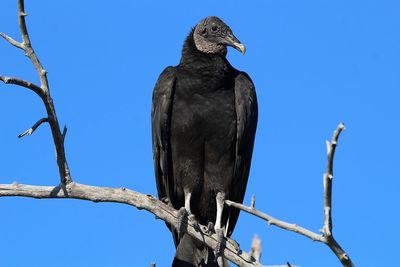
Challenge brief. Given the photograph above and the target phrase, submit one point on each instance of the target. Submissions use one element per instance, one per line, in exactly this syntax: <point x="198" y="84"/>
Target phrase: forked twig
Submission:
<point x="43" y="91"/>
<point x="326" y="237"/>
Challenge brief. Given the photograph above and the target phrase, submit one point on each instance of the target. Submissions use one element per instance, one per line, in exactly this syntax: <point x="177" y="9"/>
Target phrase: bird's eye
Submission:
<point x="203" y="31"/>
<point x="214" y="28"/>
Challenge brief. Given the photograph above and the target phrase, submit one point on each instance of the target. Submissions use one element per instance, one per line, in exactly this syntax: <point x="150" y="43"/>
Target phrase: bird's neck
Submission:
<point x="205" y="46"/>
<point x="192" y="56"/>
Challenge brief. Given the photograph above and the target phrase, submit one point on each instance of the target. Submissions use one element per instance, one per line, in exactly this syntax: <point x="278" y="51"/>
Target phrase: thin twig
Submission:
<point x="327" y="236"/>
<point x="255" y="250"/>
<point x="328" y="176"/>
<point x="141" y="201"/>
<point x="22" y="83"/>
<point x="29" y="52"/>
<point x="253" y="202"/>
<point x="273" y="221"/>
<point x="34" y="127"/>
<point x="12" y="41"/>
<point x="64" y="133"/>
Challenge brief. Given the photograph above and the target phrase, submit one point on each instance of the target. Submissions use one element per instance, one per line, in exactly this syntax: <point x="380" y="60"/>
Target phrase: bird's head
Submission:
<point x="211" y="35"/>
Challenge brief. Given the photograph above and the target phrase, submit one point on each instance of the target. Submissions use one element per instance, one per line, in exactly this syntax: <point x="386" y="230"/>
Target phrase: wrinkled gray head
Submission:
<point x="212" y="35"/>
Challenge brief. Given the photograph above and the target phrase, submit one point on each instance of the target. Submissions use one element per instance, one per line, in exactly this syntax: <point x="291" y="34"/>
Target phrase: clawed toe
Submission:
<point x="179" y="221"/>
<point x="182" y="213"/>
<point x="193" y="220"/>
<point x="210" y="228"/>
<point x="220" y="241"/>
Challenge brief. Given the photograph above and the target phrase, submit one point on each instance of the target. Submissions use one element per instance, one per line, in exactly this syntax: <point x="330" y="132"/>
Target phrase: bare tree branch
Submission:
<point x="253" y="202"/>
<point x="273" y="221"/>
<point x="12" y="41"/>
<point x="255" y="250"/>
<point x="328" y="176"/>
<point x="27" y="47"/>
<point x="43" y="92"/>
<point x="64" y="133"/>
<point x="141" y="201"/>
<point x="23" y="83"/>
<point x="327" y="236"/>
<point x="34" y="127"/>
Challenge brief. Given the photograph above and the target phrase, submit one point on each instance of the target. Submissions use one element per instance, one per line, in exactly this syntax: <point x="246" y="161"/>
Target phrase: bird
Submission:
<point x="204" y="119"/>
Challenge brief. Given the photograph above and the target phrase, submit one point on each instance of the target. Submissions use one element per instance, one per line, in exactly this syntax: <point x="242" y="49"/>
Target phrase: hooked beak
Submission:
<point x="235" y="43"/>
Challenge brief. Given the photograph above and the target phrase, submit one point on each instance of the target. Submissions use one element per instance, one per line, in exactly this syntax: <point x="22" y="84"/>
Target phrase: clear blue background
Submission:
<point x="314" y="64"/>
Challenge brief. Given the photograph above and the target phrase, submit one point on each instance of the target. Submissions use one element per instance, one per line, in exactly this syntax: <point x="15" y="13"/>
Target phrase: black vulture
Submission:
<point x="204" y="118"/>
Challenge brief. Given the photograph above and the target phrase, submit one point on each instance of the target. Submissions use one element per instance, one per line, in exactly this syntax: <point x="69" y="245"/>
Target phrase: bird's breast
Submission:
<point x="204" y="108"/>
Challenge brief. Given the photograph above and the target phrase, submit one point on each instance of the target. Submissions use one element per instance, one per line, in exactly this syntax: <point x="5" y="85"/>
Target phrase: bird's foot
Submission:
<point x="220" y="243"/>
<point x="182" y="213"/>
<point x="165" y="200"/>
<point x="210" y="228"/>
<point x="192" y="219"/>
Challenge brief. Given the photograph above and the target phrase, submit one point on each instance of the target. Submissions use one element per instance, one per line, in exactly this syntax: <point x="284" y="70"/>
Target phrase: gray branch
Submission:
<point x="141" y="201"/>
<point x="12" y="41"/>
<point x="327" y="236"/>
<point x="273" y="221"/>
<point x="22" y="83"/>
<point x="43" y="92"/>
<point x="255" y="250"/>
<point x="27" y="47"/>
<point x="34" y="127"/>
<point x="328" y="176"/>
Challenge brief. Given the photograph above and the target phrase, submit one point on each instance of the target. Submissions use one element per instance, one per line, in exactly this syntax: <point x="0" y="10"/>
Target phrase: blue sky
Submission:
<point x="314" y="64"/>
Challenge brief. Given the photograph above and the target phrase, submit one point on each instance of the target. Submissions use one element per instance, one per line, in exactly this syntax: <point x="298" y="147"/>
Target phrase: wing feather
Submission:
<point x="246" y="124"/>
<point x="160" y="121"/>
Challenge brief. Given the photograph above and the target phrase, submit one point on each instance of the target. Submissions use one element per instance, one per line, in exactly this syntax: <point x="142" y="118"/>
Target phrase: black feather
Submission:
<point x="204" y="118"/>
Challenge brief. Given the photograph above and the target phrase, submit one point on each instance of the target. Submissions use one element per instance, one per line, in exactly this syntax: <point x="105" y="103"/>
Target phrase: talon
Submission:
<point x="165" y="200"/>
<point x="191" y="217"/>
<point x="220" y="241"/>
<point x="193" y="220"/>
<point x="182" y="213"/>
<point x="236" y="245"/>
<point x="179" y="221"/>
<point x="210" y="228"/>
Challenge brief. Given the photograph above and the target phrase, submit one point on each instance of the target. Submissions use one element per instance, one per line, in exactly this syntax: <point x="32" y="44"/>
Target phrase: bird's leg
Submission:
<point x="188" y="210"/>
<point x="218" y="229"/>
<point x="220" y="207"/>
<point x="188" y="196"/>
